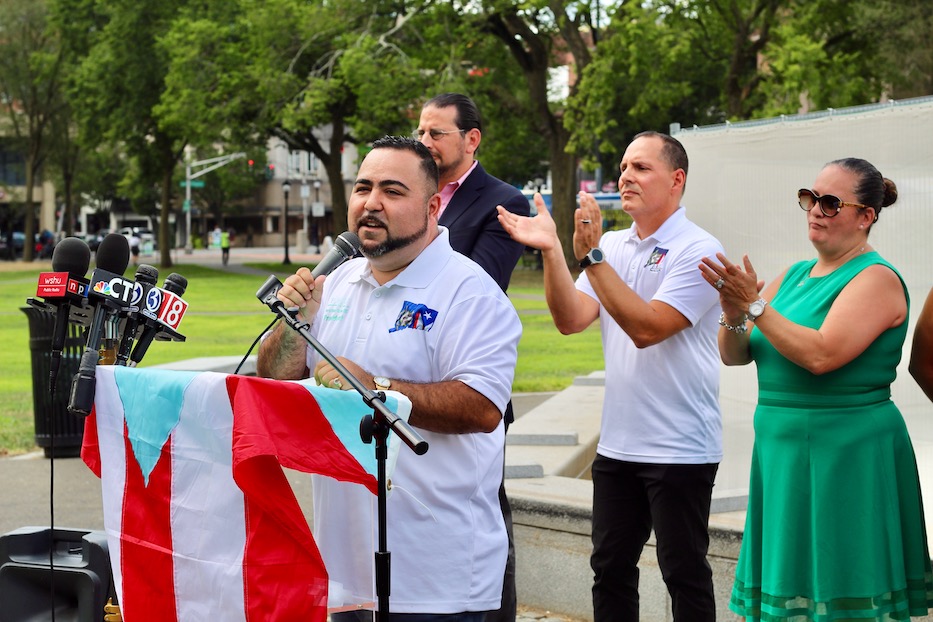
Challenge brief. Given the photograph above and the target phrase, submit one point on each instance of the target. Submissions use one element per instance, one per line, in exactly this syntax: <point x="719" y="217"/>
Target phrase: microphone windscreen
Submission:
<point x="147" y="274"/>
<point x="349" y="242"/>
<point x="113" y="254"/>
<point x="71" y="255"/>
<point x="175" y="283"/>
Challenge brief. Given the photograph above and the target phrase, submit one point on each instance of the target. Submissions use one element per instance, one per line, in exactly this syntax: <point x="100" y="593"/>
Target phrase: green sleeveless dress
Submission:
<point x="834" y="528"/>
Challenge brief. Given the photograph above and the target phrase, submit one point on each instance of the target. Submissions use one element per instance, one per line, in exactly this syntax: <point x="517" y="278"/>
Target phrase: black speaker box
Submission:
<point x="82" y="579"/>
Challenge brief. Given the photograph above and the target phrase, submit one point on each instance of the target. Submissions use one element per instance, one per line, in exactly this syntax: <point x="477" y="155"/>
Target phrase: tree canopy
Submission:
<point x="561" y="84"/>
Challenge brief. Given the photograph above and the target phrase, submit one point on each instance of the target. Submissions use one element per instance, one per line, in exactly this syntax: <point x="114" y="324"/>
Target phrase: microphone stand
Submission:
<point x="375" y="426"/>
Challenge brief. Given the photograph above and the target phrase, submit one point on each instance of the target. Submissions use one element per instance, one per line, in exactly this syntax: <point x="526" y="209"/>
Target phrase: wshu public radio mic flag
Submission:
<point x="201" y="521"/>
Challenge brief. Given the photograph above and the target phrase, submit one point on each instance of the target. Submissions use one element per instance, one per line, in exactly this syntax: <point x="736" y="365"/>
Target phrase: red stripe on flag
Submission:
<point x="146" y="540"/>
<point x="284" y="577"/>
<point x="280" y="424"/>
<point x="90" y="445"/>
<point x="284" y="420"/>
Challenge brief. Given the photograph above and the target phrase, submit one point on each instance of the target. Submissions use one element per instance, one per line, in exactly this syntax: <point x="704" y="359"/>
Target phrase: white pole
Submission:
<point x="188" y="207"/>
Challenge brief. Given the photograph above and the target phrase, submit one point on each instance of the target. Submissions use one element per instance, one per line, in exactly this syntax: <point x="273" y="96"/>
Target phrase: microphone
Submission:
<point x="146" y="277"/>
<point x="60" y="289"/>
<point x="161" y="316"/>
<point x="109" y="292"/>
<point x="346" y="246"/>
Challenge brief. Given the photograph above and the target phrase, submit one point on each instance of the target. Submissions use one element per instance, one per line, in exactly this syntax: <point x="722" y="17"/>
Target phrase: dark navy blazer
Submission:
<point x="474" y="228"/>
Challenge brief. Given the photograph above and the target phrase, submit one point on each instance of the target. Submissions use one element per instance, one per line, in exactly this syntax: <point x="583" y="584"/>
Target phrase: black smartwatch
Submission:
<point x="595" y="255"/>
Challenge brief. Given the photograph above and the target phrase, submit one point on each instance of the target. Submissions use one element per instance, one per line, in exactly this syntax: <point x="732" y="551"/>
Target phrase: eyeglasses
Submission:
<point x="829" y="204"/>
<point x="435" y="134"/>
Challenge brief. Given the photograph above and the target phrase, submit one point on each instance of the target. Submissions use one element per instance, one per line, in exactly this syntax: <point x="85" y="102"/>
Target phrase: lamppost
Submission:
<point x="286" y="188"/>
<point x="317" y="210"/>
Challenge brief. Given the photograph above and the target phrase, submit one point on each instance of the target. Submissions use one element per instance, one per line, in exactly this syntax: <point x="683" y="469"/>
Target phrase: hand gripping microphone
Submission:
<point x="61" y="289"/>
<point x="146" y="277"/>
<point x="109" y="292"/>
<point x="346" y="246"/>
<point x="163" y="312"/>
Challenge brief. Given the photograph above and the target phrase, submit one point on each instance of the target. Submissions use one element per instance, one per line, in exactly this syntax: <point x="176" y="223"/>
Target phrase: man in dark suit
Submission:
<point x="451" y="128"/>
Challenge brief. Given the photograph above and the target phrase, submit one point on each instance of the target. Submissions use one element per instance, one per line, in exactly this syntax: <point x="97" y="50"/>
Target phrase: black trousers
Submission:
<point x="508" y="609"/>
<point x="629" y="499"/>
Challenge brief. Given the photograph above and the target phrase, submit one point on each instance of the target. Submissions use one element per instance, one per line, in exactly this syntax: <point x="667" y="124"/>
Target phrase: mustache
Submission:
<point x="370" y="221"/>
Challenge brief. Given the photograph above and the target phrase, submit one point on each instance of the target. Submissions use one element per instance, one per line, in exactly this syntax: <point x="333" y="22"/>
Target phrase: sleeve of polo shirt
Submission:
<point x="684" y="287"/>
<point x="479" y="346"/>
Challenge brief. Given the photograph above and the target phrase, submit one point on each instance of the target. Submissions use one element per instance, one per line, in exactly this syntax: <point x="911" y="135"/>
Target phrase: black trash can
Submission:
<point x="50" y="414"/>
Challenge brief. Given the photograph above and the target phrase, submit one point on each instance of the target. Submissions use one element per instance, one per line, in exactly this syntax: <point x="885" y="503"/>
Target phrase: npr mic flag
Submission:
<point x="201" y="521"/>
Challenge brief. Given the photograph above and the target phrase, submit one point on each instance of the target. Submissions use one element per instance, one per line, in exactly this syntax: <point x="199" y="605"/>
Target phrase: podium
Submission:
<point x="82" y="582"/>
<point x="201" y="520"/>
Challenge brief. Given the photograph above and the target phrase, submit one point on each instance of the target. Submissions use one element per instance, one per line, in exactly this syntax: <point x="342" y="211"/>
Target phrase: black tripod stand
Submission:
<point x="375" y="426"/>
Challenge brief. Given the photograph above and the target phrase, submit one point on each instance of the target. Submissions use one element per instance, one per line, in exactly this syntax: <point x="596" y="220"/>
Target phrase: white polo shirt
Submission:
<point x="662" y="402"/>
<point x="442" y="318"/>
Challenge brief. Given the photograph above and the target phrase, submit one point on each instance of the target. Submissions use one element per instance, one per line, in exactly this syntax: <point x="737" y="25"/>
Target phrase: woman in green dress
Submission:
<point x="834" y="528"/>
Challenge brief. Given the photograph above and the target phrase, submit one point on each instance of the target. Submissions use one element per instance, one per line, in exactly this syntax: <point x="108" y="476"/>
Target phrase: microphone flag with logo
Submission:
<point x="61" y="289"/>
<point x="161" y="314"/>
<point x="146" y="277"/>
<point x="108" y="293"/>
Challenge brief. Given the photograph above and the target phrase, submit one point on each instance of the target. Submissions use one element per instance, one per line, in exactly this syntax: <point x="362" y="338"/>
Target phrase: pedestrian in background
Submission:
<point x="225" y="246"/>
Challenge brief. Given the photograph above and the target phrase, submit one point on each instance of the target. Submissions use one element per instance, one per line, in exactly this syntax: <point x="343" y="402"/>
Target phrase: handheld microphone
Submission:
<point x="108" y="293"/>
<point x="161" y="316"/>
<point x="146" y="277"/>
<point x="60" y="289"/>
<point x="346" y="246"/>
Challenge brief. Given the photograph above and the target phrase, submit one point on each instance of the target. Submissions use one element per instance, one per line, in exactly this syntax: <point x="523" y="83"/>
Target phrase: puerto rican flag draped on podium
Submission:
<point x="201" y="521"/>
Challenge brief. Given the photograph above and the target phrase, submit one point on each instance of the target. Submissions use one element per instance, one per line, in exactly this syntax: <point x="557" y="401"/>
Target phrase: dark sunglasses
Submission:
<point x="829" y="204"/>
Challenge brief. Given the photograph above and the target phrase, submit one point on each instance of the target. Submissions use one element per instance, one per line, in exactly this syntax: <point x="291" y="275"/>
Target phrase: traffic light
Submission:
<point x="270" y="171"/>
<point x="250" y="163"/>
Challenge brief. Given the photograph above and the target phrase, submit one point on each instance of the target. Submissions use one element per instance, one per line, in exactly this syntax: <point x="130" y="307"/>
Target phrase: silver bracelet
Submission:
<point x="738" y="329"/>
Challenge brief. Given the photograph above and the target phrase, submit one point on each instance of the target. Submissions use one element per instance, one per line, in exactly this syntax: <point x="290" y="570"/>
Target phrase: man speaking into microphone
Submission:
<point x="414" y="316"/>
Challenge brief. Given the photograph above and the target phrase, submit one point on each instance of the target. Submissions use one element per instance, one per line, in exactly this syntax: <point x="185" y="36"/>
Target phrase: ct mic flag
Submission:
<point x="201" y="521"/>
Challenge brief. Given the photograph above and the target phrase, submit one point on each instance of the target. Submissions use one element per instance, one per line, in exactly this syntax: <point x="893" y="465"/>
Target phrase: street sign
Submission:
<point x="195" y="183"/>
<point x="317" y="209"/>
<point x="186" y="205"/>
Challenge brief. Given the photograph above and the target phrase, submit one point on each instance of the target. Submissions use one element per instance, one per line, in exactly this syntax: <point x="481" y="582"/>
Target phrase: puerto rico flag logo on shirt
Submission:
<point x="657" y="256"/>
<point x="414" y="315"/>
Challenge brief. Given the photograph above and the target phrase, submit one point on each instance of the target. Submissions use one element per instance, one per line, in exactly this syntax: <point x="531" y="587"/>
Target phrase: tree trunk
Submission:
<point x="69" y="209"/>
<point x="564" y="196"/>
<point x="334" y="168"/>
<point x="29" y="214"/>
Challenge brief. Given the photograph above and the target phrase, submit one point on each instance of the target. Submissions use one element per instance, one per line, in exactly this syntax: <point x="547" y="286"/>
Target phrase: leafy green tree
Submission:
<point x="903" y="31"/>
<point x="98" y="179"/>
<point x="122" y="82"/>
<point x="537" y="35"/>
<point x="708" y="61"/>
<point x="30" y="88"/>
<point x="459" y="55"/>
<point x="313" y="75"/>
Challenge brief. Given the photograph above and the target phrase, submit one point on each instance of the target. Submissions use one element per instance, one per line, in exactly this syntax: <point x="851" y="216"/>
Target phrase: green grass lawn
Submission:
<point x="224" y="317"/>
